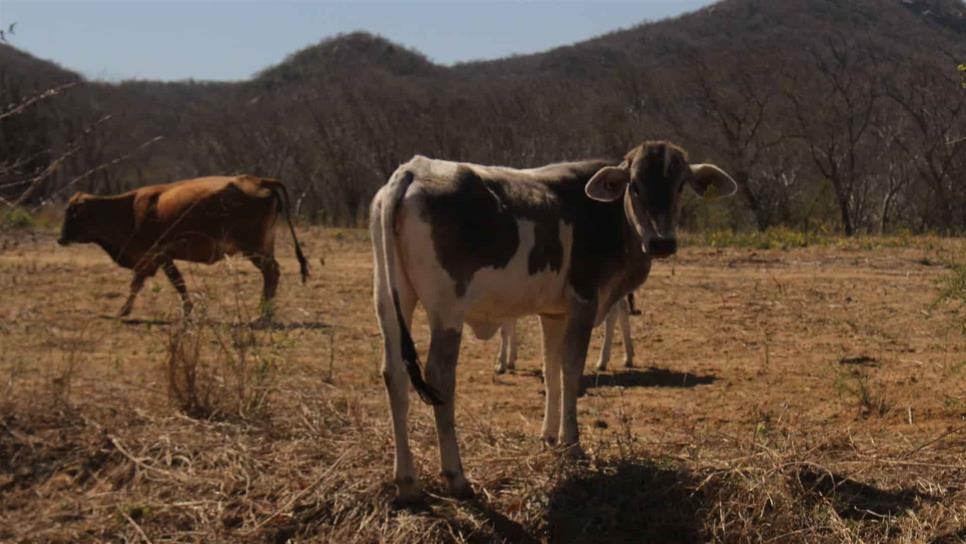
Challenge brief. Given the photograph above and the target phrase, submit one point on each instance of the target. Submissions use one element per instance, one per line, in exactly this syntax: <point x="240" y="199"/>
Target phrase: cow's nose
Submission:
<point x="663" y="247"/>
<point x="62" y="241"/>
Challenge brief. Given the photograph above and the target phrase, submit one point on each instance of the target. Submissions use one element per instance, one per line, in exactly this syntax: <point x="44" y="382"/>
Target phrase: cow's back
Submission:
<point x="189" y="197"/>
<point x="204" y="219"/>
<point x="497" y="239"/>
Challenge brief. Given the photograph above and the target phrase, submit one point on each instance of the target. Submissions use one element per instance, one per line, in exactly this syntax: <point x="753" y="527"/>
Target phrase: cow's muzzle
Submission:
<point x="660" y="248"/>
<point x="63" y="241"/>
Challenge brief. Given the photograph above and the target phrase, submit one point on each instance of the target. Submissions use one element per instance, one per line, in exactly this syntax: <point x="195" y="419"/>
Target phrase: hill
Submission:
<point x="345" y="54"/>
<point x="31" y="71"/>
<point x="335" y="118"/>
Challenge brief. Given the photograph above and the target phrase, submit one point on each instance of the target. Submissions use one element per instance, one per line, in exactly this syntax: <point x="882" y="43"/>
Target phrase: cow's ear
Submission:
<point x="705" y="176"/>
<point x="608" y="183"/>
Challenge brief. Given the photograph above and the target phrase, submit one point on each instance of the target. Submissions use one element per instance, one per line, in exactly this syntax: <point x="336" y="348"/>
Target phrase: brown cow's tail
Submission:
<point x="281" y="193"/>
<point x="383" y="229"/>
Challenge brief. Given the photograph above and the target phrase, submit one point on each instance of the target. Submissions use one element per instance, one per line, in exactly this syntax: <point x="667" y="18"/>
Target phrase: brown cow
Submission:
<point x="199" y="220"/>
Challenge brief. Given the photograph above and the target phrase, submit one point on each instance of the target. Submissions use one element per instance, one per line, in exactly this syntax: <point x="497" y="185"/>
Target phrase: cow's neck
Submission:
<point x="115" y="224"/>
<point x="635" y="264"/>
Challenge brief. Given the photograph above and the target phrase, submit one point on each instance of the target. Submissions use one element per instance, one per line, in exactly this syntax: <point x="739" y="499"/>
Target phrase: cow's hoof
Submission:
<point x="601" y="367"/>
<point x="574" y="451"/>
<point x="628" y="363"/>
<point x="458" y="487"/>
<point x="500" y="369"/>
<point x="125" y="311"/>
<point x="263" y="322"/>
<point x="408" y="492"/>
<point x="549" y="440"/>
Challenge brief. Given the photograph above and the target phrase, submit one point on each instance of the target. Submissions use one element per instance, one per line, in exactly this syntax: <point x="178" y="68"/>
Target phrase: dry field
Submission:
<point x="804" y="395"/>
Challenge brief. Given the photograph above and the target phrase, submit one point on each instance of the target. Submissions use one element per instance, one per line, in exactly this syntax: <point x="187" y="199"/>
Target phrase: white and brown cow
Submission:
<point x="480" y="245"/>
<point x="619" y="312"/>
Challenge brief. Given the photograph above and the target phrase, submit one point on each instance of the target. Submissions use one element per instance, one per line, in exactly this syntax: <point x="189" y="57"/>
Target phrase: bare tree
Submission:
<point x="834" y="105"/>
<point x="729" y="110"/>
<point x="934" y="144"/>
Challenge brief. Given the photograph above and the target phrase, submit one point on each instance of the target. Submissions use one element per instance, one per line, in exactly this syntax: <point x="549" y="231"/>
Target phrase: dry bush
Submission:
<point x="953" y="291"/>
<point x="856" y="387"/>
<point x="217" y="367"/>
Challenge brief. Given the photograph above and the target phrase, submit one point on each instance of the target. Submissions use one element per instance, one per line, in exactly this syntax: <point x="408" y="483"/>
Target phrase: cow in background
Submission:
<point x="620" y="311"/>
<point x="197" y="220"/>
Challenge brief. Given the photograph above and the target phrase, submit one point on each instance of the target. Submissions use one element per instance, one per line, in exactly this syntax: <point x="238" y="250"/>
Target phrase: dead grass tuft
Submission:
<point x="217" y="364"/>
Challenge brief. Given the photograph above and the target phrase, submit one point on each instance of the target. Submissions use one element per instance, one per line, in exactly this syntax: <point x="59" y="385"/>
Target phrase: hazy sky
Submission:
<point x="224" y="40"/>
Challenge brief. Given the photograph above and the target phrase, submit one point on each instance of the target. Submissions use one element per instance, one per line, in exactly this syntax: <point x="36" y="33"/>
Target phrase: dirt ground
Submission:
<point x="803" y="395"/>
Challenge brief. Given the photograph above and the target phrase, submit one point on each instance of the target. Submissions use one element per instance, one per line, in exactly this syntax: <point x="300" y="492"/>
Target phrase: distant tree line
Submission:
<point x="854" y="123"/>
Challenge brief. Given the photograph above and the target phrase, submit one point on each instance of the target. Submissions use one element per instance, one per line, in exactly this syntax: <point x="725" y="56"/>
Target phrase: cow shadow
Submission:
<point x="855" y="500"/>
<point x="474" y="519"/>
<point x="495" y="527"/>
<point x="273" y="326"/>
<point x="955" y="537"/>
<point x="296" y="325"/>
<point x="626" y="501"/>
<point x="649" y="377"/>
<point x="138" y="322"/>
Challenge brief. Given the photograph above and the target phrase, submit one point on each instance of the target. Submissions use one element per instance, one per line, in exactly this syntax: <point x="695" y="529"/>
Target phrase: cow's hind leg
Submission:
<point x="396" y="378"/>
<point x="174" y="275"/>
<point x="268" y="266"/>
<point x="444" y="349"/>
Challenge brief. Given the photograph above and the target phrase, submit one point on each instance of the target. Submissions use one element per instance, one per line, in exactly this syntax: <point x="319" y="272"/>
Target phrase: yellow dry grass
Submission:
<point x="802" y="395"/>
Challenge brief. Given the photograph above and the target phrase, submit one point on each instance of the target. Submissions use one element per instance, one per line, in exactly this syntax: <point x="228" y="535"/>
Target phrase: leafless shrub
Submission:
<point x="856" y="386"/>
<point x="217" y="369"/>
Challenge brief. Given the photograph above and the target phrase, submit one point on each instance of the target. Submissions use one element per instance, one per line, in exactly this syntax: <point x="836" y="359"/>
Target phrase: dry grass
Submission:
<point x="756" y="416"/>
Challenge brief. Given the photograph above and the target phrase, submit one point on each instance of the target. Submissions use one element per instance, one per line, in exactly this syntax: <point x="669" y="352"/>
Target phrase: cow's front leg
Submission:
<point x="580" y="324"/>
<point x="553" y="329"/>
<point x="176" y="279"/>
<point x="136" y="285"/>
<point x="508" y="347"/>
<point x="624" y="311"/>
<point x="444" y="350"/>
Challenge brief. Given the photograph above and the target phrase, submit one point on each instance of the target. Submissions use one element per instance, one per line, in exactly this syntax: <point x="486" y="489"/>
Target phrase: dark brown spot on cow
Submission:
<point x="471" y="227"/>
<point x="475" y="223"/>
<point x="547" y="250"/>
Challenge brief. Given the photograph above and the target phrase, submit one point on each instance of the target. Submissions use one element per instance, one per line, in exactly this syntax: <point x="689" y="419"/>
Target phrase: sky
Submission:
<point x="233" y="39"/>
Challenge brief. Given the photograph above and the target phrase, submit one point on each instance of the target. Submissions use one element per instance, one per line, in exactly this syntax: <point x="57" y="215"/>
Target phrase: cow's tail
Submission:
<point x="383" y="231"/>
<point x="281" y="193"/>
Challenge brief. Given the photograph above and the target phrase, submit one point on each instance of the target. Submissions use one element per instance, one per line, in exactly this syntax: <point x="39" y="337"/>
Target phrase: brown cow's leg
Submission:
<point x="173" y="274"/>
<point x="270" y="274"/>
<point x="136" y="284"/>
